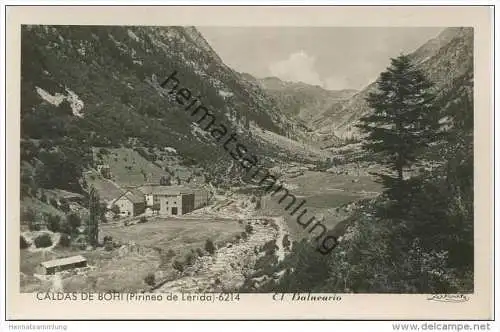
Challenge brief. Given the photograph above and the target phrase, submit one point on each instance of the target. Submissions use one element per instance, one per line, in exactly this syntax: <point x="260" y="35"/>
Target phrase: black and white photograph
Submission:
<point x="290" y="160"/>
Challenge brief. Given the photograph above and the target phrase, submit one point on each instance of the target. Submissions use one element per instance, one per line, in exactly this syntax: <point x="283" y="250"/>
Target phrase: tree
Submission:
<point x="43" y="241"/>
<point x="74" y="221"/>
<point x="150" y="279"/>
<point x="209" y="246"/>
<point x="115" y="209"/>
<point x="24" y="243"/>
<point x="54" y="223"/>
<point x="93" y="221"/>
<point x="64" y="240"/>
<point x="403" y="124"/>
<point x="64" y="205"/>
<point x="178" y="265"/>
<point x="108" y="243"/>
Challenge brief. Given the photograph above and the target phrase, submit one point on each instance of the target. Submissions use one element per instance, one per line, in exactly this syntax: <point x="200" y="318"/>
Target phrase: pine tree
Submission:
<point x="93" y="221"/>
<point x="404" y="122"/>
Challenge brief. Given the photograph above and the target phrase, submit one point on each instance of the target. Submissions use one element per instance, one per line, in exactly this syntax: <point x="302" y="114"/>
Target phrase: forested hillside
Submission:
<point x="99" y="86"/>
<point x="417" y="237"/>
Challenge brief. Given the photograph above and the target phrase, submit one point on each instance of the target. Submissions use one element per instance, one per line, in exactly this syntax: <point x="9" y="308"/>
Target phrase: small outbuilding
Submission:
<point x="61" y="264"/>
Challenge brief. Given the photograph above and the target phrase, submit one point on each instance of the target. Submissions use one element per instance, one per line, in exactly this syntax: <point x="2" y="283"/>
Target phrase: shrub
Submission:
<point x="64" y="206"/>
<point x="74" y="221"/>
<point x="24" y="244"/>
<point x="54" y="203"/>
<point x="170" y="253"/>
<point x="249" y="229"/>
<point x="270" y="247"/>
<point x="244" y="235"/>
<point x="286" y="242"/>
<point x="143" y="220"/>
<point x="115" y="209"/>
<point x="190" y="258"/>
<point x="64" y="240"/>
<point x="54" y="223"/>
<point x="210" y="247"/>
<point x="28" y="215"/>
<point x="109" y="246"/>
<point x="199" y="252"/>
<point x="150" y="279"/>
<point x="43" y="241"/>
<point x="64" y="227"/>
<point x="178" y="265"/>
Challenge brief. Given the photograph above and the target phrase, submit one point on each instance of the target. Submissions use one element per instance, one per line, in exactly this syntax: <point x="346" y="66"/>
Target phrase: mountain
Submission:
<point x="99" y="86"/>
<point x="310" y="104"/>
<point x="447" y="60"/>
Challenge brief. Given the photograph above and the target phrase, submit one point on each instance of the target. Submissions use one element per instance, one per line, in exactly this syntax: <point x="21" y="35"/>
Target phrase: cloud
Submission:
<point x="298" y="67"/>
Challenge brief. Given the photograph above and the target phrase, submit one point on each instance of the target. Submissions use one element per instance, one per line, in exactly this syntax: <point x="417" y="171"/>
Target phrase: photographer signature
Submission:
<point x="453" y="298"/>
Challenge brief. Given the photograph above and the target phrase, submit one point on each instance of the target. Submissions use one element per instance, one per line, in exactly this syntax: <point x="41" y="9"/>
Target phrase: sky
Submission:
<point x="333" y="57"/>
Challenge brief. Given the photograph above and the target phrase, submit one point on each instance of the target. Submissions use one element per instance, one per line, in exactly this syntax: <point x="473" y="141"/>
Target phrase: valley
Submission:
<point x="118" y="179"/>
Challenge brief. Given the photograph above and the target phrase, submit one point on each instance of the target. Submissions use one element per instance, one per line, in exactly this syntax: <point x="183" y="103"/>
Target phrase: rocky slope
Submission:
<point x="311" y="104"/>
<point x="447" y="60"/>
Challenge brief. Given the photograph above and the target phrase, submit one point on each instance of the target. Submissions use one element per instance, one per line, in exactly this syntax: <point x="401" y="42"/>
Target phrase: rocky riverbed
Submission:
<point x="228" y="267"/>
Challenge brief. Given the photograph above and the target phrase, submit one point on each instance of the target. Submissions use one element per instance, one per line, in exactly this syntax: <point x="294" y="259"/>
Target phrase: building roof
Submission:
<point x="64" y="261"/>
<point x="164" y="190"/>
<point x="133" y="195"/>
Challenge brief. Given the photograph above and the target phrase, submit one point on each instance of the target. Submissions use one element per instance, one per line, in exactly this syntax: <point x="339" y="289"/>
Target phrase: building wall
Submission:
<point x="200" y="198"/>
<point x="125" y="205"/>
<point x="187" y="203"/>
<point x="167" y="202"/>
<point x="149" y="199"/>
<point x="139" y="208"/>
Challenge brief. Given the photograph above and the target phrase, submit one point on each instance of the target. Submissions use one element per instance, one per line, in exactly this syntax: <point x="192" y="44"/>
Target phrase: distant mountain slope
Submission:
<point x="87" y="86"/>
<point x="446" y="60"/>
<point x="306" y="102"/>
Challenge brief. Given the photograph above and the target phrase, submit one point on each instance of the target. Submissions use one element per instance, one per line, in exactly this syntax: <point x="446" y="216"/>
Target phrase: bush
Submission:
<point x="143" y="220"/>
<point x="65" y="240"/>
<point x="64" y="227"/>
<point x="28" y="216"/>
<point x="150" y="279"/>
<point x="170" y="253"/>
<point x="244" y="235"/>
<point x="210" y="247"/>
<point x="24" y="244"/>
<point x="199" y="252"/>
<point x="53" y="202"/>
<point x="249" y="229"/>
<point x="108" y="243"/>
<point x="43" y="241"/>
<point x="270" y="247"/>
<point x="74" y="221"/>
<point x="178" y="265"/>
<point x="286" y="242"/>
<point x="64" y="206"/>
<point x="190" y="258"/>
<point x="115" y="209"/>
<point x="54" y="223"/>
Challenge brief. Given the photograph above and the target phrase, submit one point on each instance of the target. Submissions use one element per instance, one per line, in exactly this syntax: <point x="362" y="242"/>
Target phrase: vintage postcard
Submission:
<point x="249" y="162"/>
